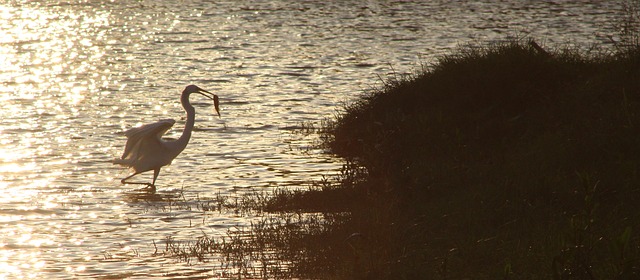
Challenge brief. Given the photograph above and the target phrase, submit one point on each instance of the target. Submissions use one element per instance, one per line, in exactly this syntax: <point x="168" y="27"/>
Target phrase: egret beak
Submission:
<point x="216" y="102"/>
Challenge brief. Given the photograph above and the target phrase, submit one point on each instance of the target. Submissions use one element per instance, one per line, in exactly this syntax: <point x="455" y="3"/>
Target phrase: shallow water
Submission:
<point x="76" y="74"/>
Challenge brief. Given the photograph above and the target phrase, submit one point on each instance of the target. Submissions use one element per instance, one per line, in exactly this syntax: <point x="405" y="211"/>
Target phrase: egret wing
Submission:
<point x="137" y="135"/>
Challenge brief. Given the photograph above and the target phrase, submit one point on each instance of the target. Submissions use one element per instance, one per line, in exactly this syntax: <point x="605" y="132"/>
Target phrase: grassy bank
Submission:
<point x="502" y="161"/>
<point x="499" y="161"/>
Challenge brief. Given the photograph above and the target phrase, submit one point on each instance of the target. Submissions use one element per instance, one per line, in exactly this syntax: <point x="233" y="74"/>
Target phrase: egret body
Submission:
<point x="146" y="150"/>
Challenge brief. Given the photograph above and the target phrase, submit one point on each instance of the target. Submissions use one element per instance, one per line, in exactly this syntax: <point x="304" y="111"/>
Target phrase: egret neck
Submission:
<point x="182" y="142"/>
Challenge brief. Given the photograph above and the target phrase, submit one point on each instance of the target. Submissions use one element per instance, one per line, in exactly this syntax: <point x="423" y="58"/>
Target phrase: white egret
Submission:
<point x="146" y="150"/>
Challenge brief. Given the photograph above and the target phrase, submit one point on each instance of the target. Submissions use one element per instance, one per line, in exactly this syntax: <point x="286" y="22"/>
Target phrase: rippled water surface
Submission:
<point x="75" y="75"/>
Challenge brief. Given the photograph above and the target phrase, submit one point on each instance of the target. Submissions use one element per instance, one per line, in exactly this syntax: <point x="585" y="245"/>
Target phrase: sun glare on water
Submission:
<point x="48" y="60"/>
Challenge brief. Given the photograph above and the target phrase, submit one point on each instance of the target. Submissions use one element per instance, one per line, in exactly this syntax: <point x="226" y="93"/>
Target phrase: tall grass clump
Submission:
<point x="505" y="160"/>
<point x="627" y="26"/>
<point x="501" y="161"/>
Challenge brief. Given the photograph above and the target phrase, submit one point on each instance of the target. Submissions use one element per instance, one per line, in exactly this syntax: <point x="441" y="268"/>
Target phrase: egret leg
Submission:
<point x="156" y="172"/>
<point x="149" y="185"/>
<point x="124" y="181"/>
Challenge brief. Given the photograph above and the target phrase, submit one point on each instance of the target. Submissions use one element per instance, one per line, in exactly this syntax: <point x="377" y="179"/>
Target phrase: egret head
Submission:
<point x="195" y="89"/>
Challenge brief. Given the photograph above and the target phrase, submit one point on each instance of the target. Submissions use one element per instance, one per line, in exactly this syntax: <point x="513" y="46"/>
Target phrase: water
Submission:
<point x="76" y="74"/>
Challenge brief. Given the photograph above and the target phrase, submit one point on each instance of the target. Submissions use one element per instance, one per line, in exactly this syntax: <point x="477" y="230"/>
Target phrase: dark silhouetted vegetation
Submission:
<point x="501" y="161"/>
<point x="505" y="161"/>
